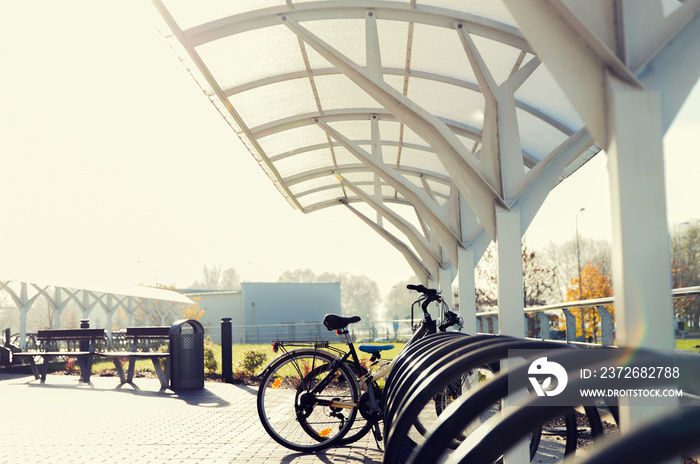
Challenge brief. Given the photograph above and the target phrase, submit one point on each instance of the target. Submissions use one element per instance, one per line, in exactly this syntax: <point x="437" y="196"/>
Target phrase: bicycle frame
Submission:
<point x="336" y="381"/>
<point x="350" y="358"/>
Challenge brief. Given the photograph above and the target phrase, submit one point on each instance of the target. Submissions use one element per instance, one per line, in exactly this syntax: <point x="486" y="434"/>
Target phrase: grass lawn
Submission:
<point x="267" y="349"/>
<point x="238" y="350"/>
<point x="146" y="365"/>
<point x="691" y="344"/>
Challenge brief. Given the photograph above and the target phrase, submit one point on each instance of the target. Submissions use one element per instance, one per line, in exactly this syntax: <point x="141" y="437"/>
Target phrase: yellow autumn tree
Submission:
<point x="594" y="284"/>
<point x="191" y="311"/>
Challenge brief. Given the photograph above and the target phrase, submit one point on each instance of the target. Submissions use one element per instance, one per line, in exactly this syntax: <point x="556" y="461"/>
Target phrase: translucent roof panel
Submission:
<point x="345" y="35"/>
<point x="291" y="139"/>
<point x="254" y="105"/>
<point x="189" y="14"/>
<point x="225" y="56"/>
<point x="440" y="51"/>
<point x="315" y="184"/>
<point x="393" y="36"/>
<point x="420" y="159"/>
<point x="338" y="92"/>
<point x="306" y="83"/>
<point x="307" y="161"/>
<point x="448" y="101"/>
<point x="489" y="9"/>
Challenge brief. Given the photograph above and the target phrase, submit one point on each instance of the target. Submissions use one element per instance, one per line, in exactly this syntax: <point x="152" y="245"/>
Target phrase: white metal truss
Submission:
<point x="350" y="103"/>
<point x="168" y="304"/>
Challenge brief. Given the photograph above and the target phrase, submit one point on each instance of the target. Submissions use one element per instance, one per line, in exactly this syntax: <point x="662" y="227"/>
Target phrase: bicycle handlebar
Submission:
<point x="429" y="292"/>
<point x="429" y="295"/>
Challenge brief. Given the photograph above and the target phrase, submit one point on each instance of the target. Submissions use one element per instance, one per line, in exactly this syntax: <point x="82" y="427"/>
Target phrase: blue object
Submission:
<point x="371" y="349"/>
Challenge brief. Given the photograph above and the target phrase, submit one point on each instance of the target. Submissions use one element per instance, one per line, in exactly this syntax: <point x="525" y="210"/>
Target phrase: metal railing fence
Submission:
<point x="487" y="321"/>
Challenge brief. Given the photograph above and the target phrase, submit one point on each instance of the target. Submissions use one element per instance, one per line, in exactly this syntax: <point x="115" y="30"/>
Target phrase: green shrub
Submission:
<point x="210" y="364"/>
<point x="163" y="348"/>
<point x="252" y="360"/>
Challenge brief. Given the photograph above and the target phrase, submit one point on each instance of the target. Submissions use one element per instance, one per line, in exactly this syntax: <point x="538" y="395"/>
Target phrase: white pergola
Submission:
<point x="155" y="303"/>
<point x="444" y="124"/>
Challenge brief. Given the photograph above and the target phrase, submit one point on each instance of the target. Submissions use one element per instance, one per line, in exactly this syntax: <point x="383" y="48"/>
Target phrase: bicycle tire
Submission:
<point x="287" y="412"/>
<point x="360" y="427"/>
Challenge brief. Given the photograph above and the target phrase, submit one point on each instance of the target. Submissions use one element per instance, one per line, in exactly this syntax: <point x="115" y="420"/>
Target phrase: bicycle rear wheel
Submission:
<point x="297" y="418"/>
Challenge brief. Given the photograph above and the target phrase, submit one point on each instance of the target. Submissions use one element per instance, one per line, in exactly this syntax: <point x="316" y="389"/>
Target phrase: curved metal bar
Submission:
<point x="432" y="380"/>
<point x="415" y="353"/>
<point x="516" y="424"/>
<point x="466" y="409"/>
<point x="657" y="442"/>
<point x="407" y="380"/>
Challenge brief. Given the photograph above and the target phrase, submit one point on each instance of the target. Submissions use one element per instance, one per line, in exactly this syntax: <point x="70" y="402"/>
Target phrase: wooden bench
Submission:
<point x="134" y="335"/>
<point x="51" y="339"/>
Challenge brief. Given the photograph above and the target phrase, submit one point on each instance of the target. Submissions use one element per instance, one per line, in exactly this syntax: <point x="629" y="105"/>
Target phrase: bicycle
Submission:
<point x="310" y="396"/>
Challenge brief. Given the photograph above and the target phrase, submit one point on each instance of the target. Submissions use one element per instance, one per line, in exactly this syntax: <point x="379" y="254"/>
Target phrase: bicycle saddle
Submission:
<point x="335" y="322"/>
<point x="374" y="349"/>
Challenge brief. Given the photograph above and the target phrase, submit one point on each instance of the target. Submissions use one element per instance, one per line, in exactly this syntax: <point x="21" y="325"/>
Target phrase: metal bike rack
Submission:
<point x="427" y="370"/>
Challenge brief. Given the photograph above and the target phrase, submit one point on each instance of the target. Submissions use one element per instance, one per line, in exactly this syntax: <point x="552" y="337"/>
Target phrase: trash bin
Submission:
<point x="186" y="355"/>
<point x="5" y="356"/>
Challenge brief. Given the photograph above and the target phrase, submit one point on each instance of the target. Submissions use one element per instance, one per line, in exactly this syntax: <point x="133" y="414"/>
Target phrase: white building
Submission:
<point x="262" y="311"/>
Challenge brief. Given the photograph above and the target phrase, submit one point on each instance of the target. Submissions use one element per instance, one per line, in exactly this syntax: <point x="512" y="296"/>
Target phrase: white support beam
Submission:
<point x="456" y="158"/>
<point x="23" y="303"/>
<point x="676" y="65"/>
<point x="467" y="289"/>
<point x="545" y="175"/>
<point x="430" y="211"/>
<point x="429" y="254"/>
<point x="130" y="311"/>
<point x="374" y="57"/>
<point x="445" y="284"/>
<point x="567" y="52"/>
<point x="501" y="149"/>
<point x="421" y="271"/>
<point x="110" y="313"/>
<point x="641" y="254"/>
<point x="509" y="262"/>
<point x="376" y="153"/>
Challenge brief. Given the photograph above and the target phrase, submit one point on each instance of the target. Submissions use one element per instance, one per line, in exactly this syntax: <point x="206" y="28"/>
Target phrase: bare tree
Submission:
<point x="301" y="275"/>
<point x="685" y="257"/>
<point x="398" y="302"/>
<point x="565" y="258"/>
<point x="41" y="315"/>
<point x="539" y="280"/>
<point x="213" y="278"/>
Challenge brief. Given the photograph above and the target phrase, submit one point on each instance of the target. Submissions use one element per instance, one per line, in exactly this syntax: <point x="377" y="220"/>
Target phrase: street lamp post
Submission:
<point x="580" y="284"/>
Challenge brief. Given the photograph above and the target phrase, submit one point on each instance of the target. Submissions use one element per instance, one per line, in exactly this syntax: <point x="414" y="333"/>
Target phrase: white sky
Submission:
<point x="115" y="167"/>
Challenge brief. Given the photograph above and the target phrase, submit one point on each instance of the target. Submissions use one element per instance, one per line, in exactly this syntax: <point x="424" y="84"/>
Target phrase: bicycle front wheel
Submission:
<point x="296" y="416"/>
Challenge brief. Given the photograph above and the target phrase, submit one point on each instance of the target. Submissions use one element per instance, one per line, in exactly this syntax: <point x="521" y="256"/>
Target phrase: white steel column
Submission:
<point x="110" y="312"/>
<point x="131" y="308"/>
<point x="445" y="284"/>
<point x="467" y="289"/>
<point x="23" y="303"/>
<point x="641" y="255"/>
<point x="509" y="259"/>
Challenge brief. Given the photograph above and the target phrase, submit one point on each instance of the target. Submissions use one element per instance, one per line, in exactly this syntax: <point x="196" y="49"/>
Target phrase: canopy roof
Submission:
<point x="303" y="116"/>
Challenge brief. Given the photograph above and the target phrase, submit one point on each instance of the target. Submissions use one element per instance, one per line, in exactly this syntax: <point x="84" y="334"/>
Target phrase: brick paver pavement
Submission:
<point x="62" y="421"/>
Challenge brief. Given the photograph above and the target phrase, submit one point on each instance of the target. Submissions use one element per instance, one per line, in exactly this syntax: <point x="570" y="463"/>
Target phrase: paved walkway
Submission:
<point x="64" y="422"/>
